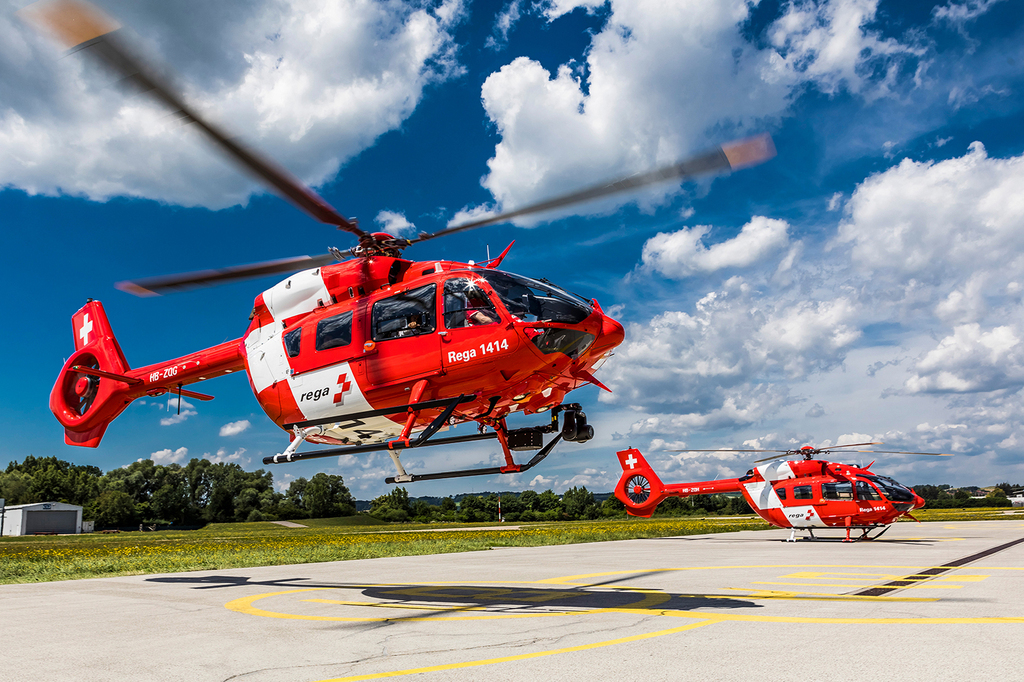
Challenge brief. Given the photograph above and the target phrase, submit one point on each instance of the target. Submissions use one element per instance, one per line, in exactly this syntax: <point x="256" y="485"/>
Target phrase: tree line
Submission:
<point x="201" y="492"/>
<point x="946" y="497"/>
<point x="197" y="493"/>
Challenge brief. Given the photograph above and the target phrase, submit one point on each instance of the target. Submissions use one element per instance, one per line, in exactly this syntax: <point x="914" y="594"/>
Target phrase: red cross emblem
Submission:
<point x="810" y="513"/>
<point x="346" y="386"/>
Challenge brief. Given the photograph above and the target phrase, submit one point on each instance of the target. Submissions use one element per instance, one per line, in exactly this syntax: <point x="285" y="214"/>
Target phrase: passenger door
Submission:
<point x="403" y="340"/>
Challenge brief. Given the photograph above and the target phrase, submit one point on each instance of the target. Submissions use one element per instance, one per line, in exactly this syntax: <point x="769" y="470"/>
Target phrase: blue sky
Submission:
<point x="865" y="284"/>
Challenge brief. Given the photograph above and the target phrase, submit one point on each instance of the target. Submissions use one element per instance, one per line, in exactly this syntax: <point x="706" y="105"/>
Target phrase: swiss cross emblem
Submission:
<point x="631" y="460"/>
<point x="83" y="333"/>
<point x="346" y="386"/>
<point x="810" y="513"/>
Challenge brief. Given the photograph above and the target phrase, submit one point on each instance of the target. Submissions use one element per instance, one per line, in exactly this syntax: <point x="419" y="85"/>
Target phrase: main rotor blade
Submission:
<point x="765" y="459"/>
<point x="851" y="445"/>
<point x="725" y="450"/>
<point x="76" y="24"/>
<point x="730" y="156"/>
<point x="155" y="286"/>
<point x="897" y="452"/>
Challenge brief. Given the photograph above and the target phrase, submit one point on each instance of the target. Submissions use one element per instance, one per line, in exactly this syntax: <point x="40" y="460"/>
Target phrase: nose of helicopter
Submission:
<point x="610" y="336"/>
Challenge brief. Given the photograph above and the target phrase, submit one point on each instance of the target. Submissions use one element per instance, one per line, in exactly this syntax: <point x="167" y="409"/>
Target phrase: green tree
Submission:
<point x="579" y="503"/>
<point x="393" y="507"/>
<point x="326" y="495"/>
<point x="612" y="507"/>
<point x="528" y="498"/>
<point x="113" y="508"/>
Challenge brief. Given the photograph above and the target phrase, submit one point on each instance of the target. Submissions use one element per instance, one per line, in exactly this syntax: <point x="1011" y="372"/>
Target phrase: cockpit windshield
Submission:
<point x="532" y="301"/>
<point x="891" y="489"/>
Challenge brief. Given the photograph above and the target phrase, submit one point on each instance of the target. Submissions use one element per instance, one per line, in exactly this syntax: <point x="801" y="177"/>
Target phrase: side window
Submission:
<point x="837" y="491"/>
<point x="802" y="492"/>
<point x="466" y="305"/>
<point x="291" y="342"/>
<point x="407" y="314"/>
<point x="781" y="492"/>
<point x="865" y="491"/>
<point x="334" y="332"/>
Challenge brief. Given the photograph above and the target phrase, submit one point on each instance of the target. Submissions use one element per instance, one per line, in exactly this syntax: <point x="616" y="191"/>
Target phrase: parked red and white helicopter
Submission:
<point x="804" y="493"/>
<point x="375" y="353"/>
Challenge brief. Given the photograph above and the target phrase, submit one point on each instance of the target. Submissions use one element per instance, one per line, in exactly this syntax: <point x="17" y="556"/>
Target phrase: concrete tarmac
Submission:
<point x="934" y="601"/>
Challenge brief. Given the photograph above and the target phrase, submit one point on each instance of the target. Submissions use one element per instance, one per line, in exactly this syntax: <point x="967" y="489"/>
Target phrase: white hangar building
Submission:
<point x="42" y="517"/>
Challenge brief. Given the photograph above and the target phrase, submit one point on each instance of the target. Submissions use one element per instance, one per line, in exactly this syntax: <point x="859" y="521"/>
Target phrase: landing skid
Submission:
<point x="863" y="538"/>
<point x="575" y="429"/>
<point x="487" y="471"/>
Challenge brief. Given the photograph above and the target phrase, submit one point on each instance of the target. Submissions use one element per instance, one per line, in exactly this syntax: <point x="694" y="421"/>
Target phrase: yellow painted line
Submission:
<point x="823" y="596"/>
<point x="524" y="657"/>
<point x="747" y="618"/>
<point x="645" y="605"/>
<point x="871" y="577"/>
<point x="902" y="571"/>
<point x="392" y="605"/>
<point x="903" y="587"/>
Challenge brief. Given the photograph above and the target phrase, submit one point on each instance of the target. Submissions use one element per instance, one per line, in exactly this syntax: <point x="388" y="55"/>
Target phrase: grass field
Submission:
<point x="239" y="545"/>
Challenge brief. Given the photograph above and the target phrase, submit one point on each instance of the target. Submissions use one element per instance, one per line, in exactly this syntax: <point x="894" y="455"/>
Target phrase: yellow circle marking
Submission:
<point x="647" y="602"/>
<point x="646" y="605"/>
<point x="523" y="657"/>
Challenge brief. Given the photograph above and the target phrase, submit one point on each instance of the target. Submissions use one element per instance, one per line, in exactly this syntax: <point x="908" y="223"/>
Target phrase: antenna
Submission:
<point x="488" y="252"/>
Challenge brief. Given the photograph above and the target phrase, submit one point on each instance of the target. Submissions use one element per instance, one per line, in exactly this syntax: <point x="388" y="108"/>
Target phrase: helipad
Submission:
<point x="932" y="600"/>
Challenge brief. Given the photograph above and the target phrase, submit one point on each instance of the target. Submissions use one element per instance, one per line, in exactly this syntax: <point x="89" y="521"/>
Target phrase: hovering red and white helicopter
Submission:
<point x="375" y="353"/>
<point x="804" y="493"/>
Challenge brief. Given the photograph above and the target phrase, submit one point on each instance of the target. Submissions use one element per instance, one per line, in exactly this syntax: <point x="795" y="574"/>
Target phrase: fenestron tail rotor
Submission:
<point x="638" y="489"/>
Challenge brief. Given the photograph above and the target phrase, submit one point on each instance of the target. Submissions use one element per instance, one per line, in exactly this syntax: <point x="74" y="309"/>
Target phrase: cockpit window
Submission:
<point x="781" y="492"/>
<point x="333" y="332"/>
<point x="532" y="301"/>
<point x="866" y="491"/>
<point x="407" y="314"/>
<point x="466" y="304"/>
<point x="291" y="342"/>
<point x="891" y="489"/>
<point x="837" y="491"/>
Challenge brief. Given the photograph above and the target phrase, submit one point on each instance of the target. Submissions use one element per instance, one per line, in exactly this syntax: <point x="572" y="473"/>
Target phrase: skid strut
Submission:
<point x="575" y="429"/>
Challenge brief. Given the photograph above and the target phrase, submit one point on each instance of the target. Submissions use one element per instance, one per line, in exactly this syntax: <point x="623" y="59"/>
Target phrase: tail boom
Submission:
<point x="96" y="384"/>
<point x="641" y="491"/>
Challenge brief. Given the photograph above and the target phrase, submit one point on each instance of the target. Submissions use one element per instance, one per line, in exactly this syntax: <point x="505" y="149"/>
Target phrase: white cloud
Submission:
<point x="959" y="13"/>
<point x="658" y="77"/>
<point x="181" y="413"/>
<point x="222" y="456"/>
<point x="394" y="223"/>
<point x="922" y="220"/>
<point x="683" y="253"/>
<point x="168" y="456"/>
<point x="971" y="360"/>
<point x="234" y="428"/>
<point x="829" y="44"/>
<point x="310" y="83"/>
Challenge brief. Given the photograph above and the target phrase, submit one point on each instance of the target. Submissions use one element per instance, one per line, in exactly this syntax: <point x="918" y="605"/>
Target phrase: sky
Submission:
<point x="866" y="284"/>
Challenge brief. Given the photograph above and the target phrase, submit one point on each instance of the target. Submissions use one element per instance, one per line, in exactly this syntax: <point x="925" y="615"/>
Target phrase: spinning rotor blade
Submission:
<point x="897" y="452"/>
<point x="725" y="450"/>
<point x="155" y="286"/>
<point x="851" y="445"/>
<point x="76" y="24"/>
<point x="730" y="156"/>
